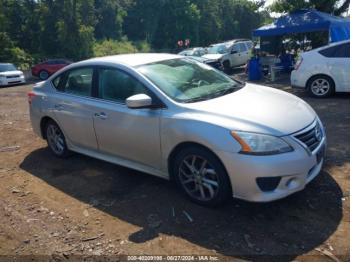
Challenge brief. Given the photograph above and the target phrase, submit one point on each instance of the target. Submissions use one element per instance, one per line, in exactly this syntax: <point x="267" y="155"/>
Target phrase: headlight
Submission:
<point x="258" y="144"/>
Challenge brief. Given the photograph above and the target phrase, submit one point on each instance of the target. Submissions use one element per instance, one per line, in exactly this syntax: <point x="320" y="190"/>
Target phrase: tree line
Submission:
<point x="78" y="29"/>
<point x="32" y="30"/>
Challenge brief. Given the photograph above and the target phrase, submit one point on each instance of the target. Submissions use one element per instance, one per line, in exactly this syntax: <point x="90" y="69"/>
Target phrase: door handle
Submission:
<point x="101" y="115"/>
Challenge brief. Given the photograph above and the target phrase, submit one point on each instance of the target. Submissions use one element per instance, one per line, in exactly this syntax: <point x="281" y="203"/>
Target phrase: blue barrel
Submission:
<point x="254" y="72"/>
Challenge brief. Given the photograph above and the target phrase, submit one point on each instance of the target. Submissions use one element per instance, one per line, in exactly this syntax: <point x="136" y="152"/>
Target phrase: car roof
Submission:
<point x="231" y="42"/>
<point x="327" y="46"/>
<point x="134" y="60"/>
<point x="332" y="44"/>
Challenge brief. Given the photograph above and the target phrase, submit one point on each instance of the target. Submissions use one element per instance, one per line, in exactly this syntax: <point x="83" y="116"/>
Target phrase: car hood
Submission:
<point x="256" y="108"/>
<point x="213" y="56"/>
<point x="11" y="73"/>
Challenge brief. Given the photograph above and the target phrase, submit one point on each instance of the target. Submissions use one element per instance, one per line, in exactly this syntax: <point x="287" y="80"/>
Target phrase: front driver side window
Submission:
<point x="115" y="85"/>
<point x="235" y="49"/>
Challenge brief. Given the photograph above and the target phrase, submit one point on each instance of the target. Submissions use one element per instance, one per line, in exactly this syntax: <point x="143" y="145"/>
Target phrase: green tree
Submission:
<point x="336" y="7"/>
<point x="110" y="14"/>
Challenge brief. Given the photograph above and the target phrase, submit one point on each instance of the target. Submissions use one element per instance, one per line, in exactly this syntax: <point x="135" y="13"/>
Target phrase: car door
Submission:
<point x="130" y="134"/>
<point x="338" y="61"/>
<point x="72" y="106"/>
<point x="235" y="56"/>
<point x="51" y="66"/>
<point x="244" y="52"/>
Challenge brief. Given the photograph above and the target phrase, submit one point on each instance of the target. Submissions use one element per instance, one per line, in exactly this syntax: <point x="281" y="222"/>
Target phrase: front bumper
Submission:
<point x="295" y="170"/>
<point x="12" y="81"/>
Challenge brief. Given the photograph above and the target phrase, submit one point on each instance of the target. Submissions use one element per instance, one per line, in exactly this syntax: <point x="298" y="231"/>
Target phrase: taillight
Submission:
<point x="31" y="96"/>
<point x="298" y="63"/>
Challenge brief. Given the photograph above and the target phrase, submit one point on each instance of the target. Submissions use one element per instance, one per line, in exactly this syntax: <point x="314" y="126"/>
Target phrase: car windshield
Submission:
<point x="217" y="49"/>
<point x="187" y="52"/>
<point x="187" y="81"/>
<point x="7" y="67"/>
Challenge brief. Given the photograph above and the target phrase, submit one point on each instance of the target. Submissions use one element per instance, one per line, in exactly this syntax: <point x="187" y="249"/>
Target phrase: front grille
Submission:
<point x="13" y="76"/>
<point x="311" y="138"/>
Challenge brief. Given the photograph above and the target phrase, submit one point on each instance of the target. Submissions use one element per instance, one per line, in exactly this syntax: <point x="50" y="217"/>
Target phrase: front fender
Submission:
<point x="177" y="131"/>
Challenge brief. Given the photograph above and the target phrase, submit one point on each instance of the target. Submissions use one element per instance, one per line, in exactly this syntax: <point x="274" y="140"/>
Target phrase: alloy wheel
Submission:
<point x="320" y="87"/>
<point x="55" y="139"/>
<point x="199" y="178"/>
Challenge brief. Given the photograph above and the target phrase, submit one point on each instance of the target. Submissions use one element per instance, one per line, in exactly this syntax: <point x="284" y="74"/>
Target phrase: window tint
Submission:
<point x="342" y="50"/>
<point x="202" y="52"/>
<point x="235" y="48"/>
<point x="116" y="85"/>
<point x="56" y="81"/>
<point x="79" y="82"/>
<point x="249" y="44"/>
<point x="242" y="47"/>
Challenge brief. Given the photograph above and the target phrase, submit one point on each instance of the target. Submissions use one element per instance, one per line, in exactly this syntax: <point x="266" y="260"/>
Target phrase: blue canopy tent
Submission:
<point x="304" y="21"/>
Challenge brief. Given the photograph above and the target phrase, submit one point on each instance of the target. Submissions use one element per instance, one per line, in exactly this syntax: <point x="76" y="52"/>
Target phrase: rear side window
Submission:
<point x="56" y="81"/>
<point x="76" y="81"/>
<point x="79" y="82"/>
<point x="242" y="47"/>
<point x="342" y="50"/>
<point x="115" y="85"/>
<point x="249" y="44"/>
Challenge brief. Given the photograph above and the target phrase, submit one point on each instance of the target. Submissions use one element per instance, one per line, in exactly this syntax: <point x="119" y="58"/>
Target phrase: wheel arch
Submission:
<point x="226" y="60"/>
<point x="43" y="122"/>
<point x="182" y="146"/>
<point x="317" y="75"/>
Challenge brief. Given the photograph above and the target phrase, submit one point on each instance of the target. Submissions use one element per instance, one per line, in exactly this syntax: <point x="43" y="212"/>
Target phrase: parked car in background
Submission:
<point x="213" y="63"/>
<point x="231" y="54"/>
<point x="49" y="67"/>
<point x="179" y="119"/>
<point x="196" y="51"/>
<point x="10" y="75"/>
<point x="324" y="71"/>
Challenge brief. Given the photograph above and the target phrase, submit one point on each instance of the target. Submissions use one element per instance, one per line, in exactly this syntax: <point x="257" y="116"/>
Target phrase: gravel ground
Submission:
<point x="65" y="209"/>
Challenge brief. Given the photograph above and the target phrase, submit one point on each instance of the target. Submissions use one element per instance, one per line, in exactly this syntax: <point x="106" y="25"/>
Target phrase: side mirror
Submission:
<point x="234" y="51"/>
<point x="139" y="101"/>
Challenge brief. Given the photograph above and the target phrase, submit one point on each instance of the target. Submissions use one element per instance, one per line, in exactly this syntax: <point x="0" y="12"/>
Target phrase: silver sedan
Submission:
<point x="182" y="120"/>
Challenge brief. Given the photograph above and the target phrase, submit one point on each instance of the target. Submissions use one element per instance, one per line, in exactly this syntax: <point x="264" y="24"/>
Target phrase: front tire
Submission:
<point x="227" y="67"/>
<point x="201" y="176"/>
<point x="321" y="86"/>
<point x="56" y="140"/>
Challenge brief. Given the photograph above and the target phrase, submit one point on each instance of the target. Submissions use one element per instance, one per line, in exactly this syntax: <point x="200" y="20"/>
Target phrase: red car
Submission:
<point x="49" y="67"/>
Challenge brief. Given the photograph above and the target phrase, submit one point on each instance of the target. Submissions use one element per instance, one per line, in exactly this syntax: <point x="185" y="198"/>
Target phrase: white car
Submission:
<point x="10" y="75"/>
<point x="196" y="51"/>
<point x="324" y="71"/>
<point x="231" y="54"/>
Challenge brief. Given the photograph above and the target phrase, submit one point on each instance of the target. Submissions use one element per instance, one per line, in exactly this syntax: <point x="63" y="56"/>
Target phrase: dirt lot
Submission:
<point x="82" y="206"/>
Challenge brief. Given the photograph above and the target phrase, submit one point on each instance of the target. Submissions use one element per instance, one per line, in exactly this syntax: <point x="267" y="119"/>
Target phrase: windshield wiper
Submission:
<point x="223" y="92"/>
<point x="196" y="99"/>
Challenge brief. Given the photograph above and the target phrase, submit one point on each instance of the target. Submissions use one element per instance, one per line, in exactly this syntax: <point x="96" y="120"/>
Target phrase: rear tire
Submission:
<point x="56" y="140"/>
<point x="43" y="75"/>
<point x="321" y="86"/>
<point x="201" y="176"/>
